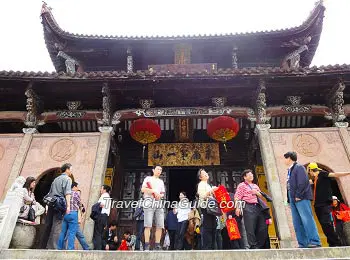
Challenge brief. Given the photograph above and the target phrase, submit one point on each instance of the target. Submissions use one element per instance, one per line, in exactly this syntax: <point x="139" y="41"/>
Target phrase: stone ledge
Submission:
<point x="319" y="253"/>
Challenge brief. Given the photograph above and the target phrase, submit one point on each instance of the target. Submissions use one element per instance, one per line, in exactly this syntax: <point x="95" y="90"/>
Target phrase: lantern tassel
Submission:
<point x="225" y="143"/>
<point x="143" y="152"/>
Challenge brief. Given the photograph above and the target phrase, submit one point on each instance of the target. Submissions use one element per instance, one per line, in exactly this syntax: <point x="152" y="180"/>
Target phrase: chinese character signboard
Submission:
<point x="109" y="177"/>
<point x="184" y="154"/>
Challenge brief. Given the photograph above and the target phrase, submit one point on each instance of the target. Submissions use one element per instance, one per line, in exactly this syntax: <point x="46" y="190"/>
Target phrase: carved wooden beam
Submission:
<point x="106" y="105"/>
<point x="71" y="115"/>
<point x="219" y="101"/>
<point x="70" y="62"/>
<point x="13" y="116"/>
<point x="129" y="60"/>
<point x="291" y="61"/>
<point x="32" y="107"/>
<point x="310" y="110"/>
<point x="131" y="114"/>
<point x="234" y="57"/>
<point x="259" y="103"/>
<point x="146" y="103"/>
<point x="335" y="101"/>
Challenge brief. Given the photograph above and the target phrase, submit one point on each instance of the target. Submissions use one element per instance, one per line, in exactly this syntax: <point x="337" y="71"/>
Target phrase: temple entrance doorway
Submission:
<point x="182" y="179"/>
<point x="43" y="183"/>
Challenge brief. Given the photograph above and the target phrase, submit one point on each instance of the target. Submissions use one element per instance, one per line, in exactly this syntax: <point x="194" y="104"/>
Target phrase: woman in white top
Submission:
<point x="208" y="228"/>
<point x="29" y="201"/>
<point x="182" y="211"/>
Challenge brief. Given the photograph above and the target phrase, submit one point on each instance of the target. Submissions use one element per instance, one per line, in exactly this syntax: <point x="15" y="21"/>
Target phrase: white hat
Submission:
<point x="334" y="198"/>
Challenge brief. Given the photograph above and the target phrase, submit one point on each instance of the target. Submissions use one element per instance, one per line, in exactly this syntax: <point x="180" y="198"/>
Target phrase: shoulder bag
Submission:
<point x="213" y="207"/>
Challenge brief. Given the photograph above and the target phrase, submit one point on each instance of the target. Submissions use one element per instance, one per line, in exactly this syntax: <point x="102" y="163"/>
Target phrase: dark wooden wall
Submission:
<point x="134" y="168"/>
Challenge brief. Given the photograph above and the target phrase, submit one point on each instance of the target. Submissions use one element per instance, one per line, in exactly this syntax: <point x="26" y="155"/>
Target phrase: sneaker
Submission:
<point x="146" y="248"/>
<point x="158" y="248"/>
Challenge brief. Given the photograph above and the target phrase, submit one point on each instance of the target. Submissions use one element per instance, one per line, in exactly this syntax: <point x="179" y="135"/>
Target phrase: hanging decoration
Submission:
<point x="232" y="229"/>
<point x="223" y="129"/>
<point x="145" y="131"/>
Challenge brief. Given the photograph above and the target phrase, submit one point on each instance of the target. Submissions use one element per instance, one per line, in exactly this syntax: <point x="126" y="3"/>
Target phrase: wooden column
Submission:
<point x="274" y="185"/>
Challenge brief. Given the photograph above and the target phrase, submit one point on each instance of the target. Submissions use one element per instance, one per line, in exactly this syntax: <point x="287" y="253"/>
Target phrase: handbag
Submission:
<point x="267" y="197"/>
<point x="31" y="214"/>
<point x="213" y="207"/>
<point x="49" y="200"/>
<point x="264" y="208"/>
<point x="21" y="210"/>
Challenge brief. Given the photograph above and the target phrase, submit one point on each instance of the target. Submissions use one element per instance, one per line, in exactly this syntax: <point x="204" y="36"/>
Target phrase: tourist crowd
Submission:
<point x="191" y="226"/>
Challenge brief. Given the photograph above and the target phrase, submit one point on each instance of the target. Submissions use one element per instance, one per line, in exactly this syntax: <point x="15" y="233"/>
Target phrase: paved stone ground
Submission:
<point x="319" y="253"/>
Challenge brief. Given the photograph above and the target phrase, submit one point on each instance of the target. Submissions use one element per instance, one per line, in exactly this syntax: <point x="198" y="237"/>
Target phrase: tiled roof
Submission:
<point x="122" y="75"/>
<point x="316" y="13"/>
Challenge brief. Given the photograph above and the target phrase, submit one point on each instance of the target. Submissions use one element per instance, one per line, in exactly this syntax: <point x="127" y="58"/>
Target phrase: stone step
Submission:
<point x="318" y="253"/>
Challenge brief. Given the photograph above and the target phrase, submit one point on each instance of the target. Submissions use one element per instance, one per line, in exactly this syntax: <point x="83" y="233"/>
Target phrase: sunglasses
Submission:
<point x="315" y="170"/>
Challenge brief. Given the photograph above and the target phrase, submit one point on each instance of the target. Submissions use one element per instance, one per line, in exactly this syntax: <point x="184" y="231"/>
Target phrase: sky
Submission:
<point x="22" y="45"/>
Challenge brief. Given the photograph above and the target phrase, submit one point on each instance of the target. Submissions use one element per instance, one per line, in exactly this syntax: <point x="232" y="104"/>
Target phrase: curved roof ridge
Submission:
<point x="47" y="16"/>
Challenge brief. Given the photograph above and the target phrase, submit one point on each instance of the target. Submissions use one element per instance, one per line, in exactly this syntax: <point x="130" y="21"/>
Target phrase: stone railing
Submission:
<point x="9" y="211"/>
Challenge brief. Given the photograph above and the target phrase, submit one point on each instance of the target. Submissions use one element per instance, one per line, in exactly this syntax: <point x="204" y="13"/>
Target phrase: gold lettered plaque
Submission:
<point x="183" y="154"/>
<point x="109" y="177"/>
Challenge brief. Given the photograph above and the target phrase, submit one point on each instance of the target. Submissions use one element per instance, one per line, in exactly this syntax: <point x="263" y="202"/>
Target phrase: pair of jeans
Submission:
<point x="218" y="239"/>
<point x="70" y="225"/>
<point x="208" y="230"/>
<point x="255" y="225"/>
<point x="172" y="237"/>
<point x="304" y="223"/>
<point x="81" y="238"/>
<point x="139" y="233"/>
<point x="324" y="214"/>
<point x="208" y="238"/>
<point x="180" y="234"/>
<point x="100" y="225"/>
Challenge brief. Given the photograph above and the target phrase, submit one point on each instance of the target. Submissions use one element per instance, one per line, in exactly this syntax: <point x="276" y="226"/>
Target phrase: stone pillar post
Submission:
<point x="9" y="212"/>
<point x="97" y="178"/>
<point x="345" y="137"/>
<point x="274" y="185"/>
<point x="20" y="158"/>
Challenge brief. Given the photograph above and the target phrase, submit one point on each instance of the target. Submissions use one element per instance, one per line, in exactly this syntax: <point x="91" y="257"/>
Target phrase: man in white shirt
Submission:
<point x="153" y="191"/>
<point x="102" y="219"/>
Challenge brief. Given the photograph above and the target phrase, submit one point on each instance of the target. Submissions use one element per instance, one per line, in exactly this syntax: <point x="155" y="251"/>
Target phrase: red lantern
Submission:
<point x="223" y="129"/>
<point x="145" y="131"/>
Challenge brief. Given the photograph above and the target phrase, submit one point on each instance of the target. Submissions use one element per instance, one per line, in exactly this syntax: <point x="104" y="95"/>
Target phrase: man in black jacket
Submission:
<point x="299" y="198"/>
<point x="323" y="200"/>
<point x="109" y="237"/>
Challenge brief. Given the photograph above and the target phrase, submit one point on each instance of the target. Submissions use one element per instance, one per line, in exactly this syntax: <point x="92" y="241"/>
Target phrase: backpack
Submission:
<point x="95" y="211"/>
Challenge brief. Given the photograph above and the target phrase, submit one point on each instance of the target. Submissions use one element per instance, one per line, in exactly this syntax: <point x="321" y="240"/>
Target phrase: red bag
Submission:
<point x="223" y="199"/>
<point x="232" y="229"/>
<point x="343" y="215"/>
<point x="123" y="246"/>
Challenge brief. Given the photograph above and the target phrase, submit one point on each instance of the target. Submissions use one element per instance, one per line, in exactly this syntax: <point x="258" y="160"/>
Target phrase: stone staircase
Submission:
<point x="318" y="253"/>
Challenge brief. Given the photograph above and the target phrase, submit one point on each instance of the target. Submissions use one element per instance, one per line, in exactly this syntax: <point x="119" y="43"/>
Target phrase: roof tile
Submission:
<point x="146" y="73"/>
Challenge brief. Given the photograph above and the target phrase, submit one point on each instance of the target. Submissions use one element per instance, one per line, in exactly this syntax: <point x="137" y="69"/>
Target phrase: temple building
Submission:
<point x="109" y="91"/>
